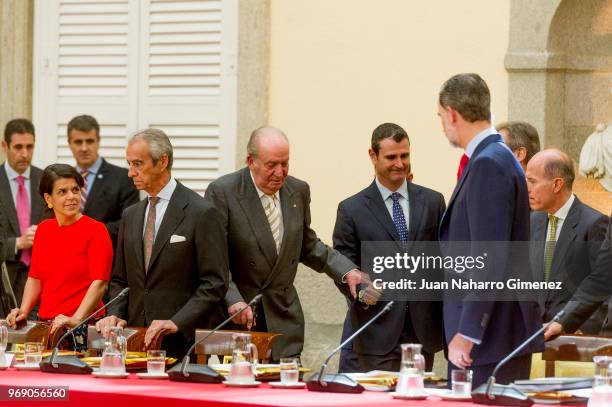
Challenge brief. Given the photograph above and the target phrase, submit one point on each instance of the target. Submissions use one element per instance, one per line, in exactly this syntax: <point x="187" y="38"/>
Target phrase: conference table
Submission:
<point x="89" y="391"/>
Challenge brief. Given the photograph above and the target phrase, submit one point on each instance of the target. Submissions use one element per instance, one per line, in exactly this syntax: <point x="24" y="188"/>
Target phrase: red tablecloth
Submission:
<point x="88" y="391"/>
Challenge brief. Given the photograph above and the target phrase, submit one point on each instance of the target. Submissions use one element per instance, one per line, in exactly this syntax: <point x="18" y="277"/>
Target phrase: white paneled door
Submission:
<point x="135" y="64"/>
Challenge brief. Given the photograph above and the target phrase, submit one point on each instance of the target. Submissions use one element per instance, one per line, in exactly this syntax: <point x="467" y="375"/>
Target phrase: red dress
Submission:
<point x="66" y="259"/>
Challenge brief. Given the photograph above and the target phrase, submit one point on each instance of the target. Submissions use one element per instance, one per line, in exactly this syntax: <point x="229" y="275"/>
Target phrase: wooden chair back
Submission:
<point x="221" y="343"/>
<point x="32" y="331"/>
<point x="574" y="348"/>
<point x="135" y="340"/>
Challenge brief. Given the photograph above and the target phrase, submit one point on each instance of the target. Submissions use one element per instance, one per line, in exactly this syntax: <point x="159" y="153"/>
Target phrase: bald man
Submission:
<point x="266" y="214"/>
<point x="566" y="236"/>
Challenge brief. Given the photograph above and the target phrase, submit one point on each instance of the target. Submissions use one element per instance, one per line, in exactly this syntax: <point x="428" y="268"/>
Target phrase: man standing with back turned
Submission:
<point x="489" y="204"/>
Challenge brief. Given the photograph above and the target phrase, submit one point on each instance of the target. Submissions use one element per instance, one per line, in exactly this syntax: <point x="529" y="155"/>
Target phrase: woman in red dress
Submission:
<point x="72" y="258"/>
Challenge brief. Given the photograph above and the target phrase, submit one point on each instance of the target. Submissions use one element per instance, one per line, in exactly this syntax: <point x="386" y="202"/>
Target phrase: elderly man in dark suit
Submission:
<point x="171" y="252"/>
<point x="22" y="205"/>
<point x="390" y="209"/>
<point x="489" y="204"/>
<point x="108" y="189"/>
<point x="566" y="235"/>
<point x="266" y="216"/>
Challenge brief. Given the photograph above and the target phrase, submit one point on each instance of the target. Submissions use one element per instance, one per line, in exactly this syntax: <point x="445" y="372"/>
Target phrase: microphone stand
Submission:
<point x="72" y="364"/>
<point x="190" y="372"/>
<point x="494" y="394"/>
<point x="339" y="383"/>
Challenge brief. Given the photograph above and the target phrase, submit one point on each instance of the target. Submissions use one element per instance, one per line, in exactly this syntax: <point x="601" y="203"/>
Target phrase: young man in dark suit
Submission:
<point x="390" y="209"/>
<point x="489" y="204"/>
<point x="21" y="203"/>
<point x="566" y="236"/>
<point x="171" y="252"/>
<point x="108" y="189"/>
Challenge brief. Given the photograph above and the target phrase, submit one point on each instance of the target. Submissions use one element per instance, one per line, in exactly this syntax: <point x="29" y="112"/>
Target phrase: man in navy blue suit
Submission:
<point x="489" y="204"/>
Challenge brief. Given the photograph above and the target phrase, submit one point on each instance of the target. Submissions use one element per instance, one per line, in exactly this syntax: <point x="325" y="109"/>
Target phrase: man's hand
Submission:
<point x="105" y="324"/>
<point x="159" y="326"/>
<point x="63" y="320"/>
<point x="245" y="317"/>
<point x="553" y="330"/>
<point x="459" y="350"/>
<point x="26" y="240"/>
<point x="353" y="279"/>
<point x="369" y="295"/>
<point x="15" y="316"/>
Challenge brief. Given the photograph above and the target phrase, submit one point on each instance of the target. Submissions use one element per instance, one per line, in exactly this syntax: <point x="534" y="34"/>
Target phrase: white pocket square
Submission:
<point x="177" y="238"/>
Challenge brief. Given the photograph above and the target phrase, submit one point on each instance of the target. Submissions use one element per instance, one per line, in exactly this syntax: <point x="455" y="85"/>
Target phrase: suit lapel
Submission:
<point x="136" y="230"/>
<point x="538" y="242"/>
<point x="567" y="235"/>
<point x="36" y="203"/>
<point x="375" y="204"/>
<point x="98" y="185"/>
<point x="174" y="215"/>
<point x="417" y="208"/>
<point x="256" y="216"/>
<point x="7" y="202"/>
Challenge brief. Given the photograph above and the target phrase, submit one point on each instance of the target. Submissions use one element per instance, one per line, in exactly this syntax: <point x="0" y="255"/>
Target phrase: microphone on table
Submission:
<point x="337" y="382"/>
<point x="72" y="364"/>
<point x="494" y="394"/>
<point x="191" y="372"/>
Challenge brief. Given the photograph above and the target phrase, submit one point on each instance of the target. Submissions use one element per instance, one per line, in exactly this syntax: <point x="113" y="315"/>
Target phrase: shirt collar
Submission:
<point x="260" y="193"/>
<point x="12" y="174"/>
<point x="167" y="191"/>
<point x="386" y="192"/>
<point x="94" y="168"/>
<point x="564" y="210"/>
<point x="473" y="144"/>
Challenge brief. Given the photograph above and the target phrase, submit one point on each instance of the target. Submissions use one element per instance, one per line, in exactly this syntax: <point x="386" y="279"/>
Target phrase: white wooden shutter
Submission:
<point x="135" y="64"/>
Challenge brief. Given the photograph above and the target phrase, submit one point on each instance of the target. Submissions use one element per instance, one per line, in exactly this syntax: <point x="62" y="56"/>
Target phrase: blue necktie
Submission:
<point x="398" y="218"/>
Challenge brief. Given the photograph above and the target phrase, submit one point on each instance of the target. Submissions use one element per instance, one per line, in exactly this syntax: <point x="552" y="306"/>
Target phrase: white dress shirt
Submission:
<point x="160" y="209"/>
<point x="264" y="199"/>
<point x="403" y="200"/>
<point x="561" y="214"/>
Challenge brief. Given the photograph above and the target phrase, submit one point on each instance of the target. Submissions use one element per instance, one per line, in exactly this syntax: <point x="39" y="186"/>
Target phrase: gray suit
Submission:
<point x="574" y="258"/>
<point x="255" y="265"/>
<point x="18" y="272"/>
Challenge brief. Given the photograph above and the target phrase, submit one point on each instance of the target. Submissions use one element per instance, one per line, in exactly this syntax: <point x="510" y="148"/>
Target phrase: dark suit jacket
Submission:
<point x="186" y="280"/>
<point x="10" y="212"/>
<point x="595" y="289"/>
<point x="112" y="192"/>
<point x="255" y="265"/>
<point x="490" y="203"/>
<point x="574" y="258"/>
<point x="364" y="217"/>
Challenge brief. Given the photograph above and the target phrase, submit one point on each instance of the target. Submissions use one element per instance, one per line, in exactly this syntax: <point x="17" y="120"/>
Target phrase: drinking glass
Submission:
<point x="244" y="358"/>
<point x="289" y="371"/>
<point x="113" y="356"/>
<point x="32" y="352"/>
<point x="410" y="380"/>
<point x="156" y="362"/>
<point x="3" y="336"/>
<point x="461" y="382"/>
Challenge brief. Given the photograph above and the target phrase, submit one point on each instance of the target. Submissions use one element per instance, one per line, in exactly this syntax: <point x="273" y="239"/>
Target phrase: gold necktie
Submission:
<point x="551" y="241"/>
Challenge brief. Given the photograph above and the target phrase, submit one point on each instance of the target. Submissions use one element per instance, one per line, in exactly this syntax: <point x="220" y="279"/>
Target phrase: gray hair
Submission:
<point x="257" y="134"/>
<point x="469" y="95"/>
<point x="521" y="134"/>
<point x="557" y="164"/>
<point x="159" y="144"/>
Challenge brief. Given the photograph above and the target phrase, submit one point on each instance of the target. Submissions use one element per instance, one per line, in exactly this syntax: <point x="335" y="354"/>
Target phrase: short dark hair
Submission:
<point x="54" y="172"/>
<point x="84" y="123"/>
<point x="18" y="126"/>
<point x="560" y="166"/>
<point x="387" y="130"/>
<point x="469" y="95"/>
<point x="521" y="134"/>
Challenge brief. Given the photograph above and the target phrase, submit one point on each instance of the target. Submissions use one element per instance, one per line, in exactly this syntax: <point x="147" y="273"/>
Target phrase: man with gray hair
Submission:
<point x="266" y="217"/>
<point x="171" y="252"/>
<point x="566" y="236"/>
<point x="522" y="138"/>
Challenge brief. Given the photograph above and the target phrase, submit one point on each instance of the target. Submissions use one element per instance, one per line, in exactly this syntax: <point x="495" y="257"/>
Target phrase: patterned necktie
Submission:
<point x="398" y="218"/>
<point x="551" y="242"/>
<point x="23" y="216"/>
<point x="84" y="190"/>
<point x="149" y="234"/>
<point x="273" y="215"/>
<point x="462" y="163"/>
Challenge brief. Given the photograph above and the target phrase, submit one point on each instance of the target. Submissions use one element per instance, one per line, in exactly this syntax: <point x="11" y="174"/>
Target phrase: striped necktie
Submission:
<point x="84" y="190"/>
<point x="551" y="242"/>
<point x="149" y="233"/>
<point x="24" y="213"/>
<point x="273" y="215"/>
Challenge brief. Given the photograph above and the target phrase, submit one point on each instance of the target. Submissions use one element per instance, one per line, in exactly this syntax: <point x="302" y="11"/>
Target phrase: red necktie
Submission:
<point x="23" y="216"/>
<point x="462" y="164"/>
